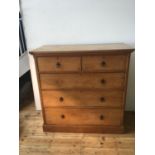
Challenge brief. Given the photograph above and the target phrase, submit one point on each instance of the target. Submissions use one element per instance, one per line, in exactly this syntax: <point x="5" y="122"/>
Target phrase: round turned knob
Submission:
<point x="61" y="99"/>
<point x="58" y="64"/>
<point x="103" y="63"/>
<point x="101" y="117"/>
<point x="102" y="99"/>
<point x="103" y="81"/>
<point x="62" y="116"/>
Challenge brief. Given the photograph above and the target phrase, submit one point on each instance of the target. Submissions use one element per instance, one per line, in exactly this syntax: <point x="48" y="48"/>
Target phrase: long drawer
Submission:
<point x="82" y="98"/>
<point x="81" y="116"/>
<point x="83" y="81"/>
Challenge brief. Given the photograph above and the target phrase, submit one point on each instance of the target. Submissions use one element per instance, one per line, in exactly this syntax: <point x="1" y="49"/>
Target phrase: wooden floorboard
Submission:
<point x="33" y="141"/>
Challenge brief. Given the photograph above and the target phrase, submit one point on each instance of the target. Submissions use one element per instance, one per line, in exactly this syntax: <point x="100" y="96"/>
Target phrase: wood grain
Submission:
<point x="80" y="116"/>
<point x="82" y="47"/>
<point x="72" y="80"/>
<point x="84" y="128"/>
<point x="59" y="64"/>
<point x="82" y="81"/>
<point x="104" y="63"/>
<point x="33" y="141"/>
<point x="82" y="98"/>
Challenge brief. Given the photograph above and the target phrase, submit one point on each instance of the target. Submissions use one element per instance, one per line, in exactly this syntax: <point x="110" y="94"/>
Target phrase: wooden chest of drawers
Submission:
<point x="83" y="87"/>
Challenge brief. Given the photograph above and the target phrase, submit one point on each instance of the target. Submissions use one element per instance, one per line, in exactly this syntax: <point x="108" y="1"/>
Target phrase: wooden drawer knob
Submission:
<point x="101" y="117"/>
<point x="61" y="99"/>
<point x="103" y="81"/>
<point x="103" y="63"/>
<point x="102" y="99"/>
<point x="58" y="64"/>
<point x="62" y="116"/>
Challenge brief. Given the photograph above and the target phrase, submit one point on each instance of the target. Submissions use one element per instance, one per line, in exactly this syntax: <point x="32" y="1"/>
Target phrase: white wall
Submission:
<point x="23" y="64"/>
<point x="79" y="21"/>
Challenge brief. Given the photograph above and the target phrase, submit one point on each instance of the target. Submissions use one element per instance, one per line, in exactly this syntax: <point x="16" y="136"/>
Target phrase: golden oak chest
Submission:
<point x="83" y="87"/>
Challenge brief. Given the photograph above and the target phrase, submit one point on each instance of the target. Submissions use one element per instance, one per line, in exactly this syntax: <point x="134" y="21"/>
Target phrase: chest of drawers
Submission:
<point x="83" y="87"/>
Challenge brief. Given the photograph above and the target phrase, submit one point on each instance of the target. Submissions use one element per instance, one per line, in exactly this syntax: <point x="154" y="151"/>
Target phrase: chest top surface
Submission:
<point x="83" y="48"/>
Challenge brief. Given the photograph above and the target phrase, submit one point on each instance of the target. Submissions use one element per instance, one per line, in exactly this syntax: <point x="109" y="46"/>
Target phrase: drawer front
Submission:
<point x="82" y="98"/>
<point x="81" y="116"/>
<point x="59" y="64"/>
<point x="83" y="81"/>
<point x="104" y="63"/>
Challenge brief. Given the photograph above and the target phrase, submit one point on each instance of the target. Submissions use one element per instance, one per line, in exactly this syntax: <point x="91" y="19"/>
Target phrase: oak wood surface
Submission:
<point x="82" y="81"/>
<point x="104" y="63"/>
<point x="96" y="68"/>
<point x="59" y="64"/>
<point x="82" y="98"/>
<point x="80" y="116"/>
<point x="82" y="47"/>
<point x="84" y="128"/>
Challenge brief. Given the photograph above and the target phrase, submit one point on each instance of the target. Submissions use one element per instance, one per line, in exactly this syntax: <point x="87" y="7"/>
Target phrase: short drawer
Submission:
<point x="104" y="63"/>
<point x="82" y="98"/>
<point x="81" y="116"/>
<point x="59" y="64"/>
<point x="83" y="81"/>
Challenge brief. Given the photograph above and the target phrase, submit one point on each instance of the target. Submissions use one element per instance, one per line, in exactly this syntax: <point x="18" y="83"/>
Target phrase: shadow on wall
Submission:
<point x="25" y="89"/>
<point x="130" y="99"/>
